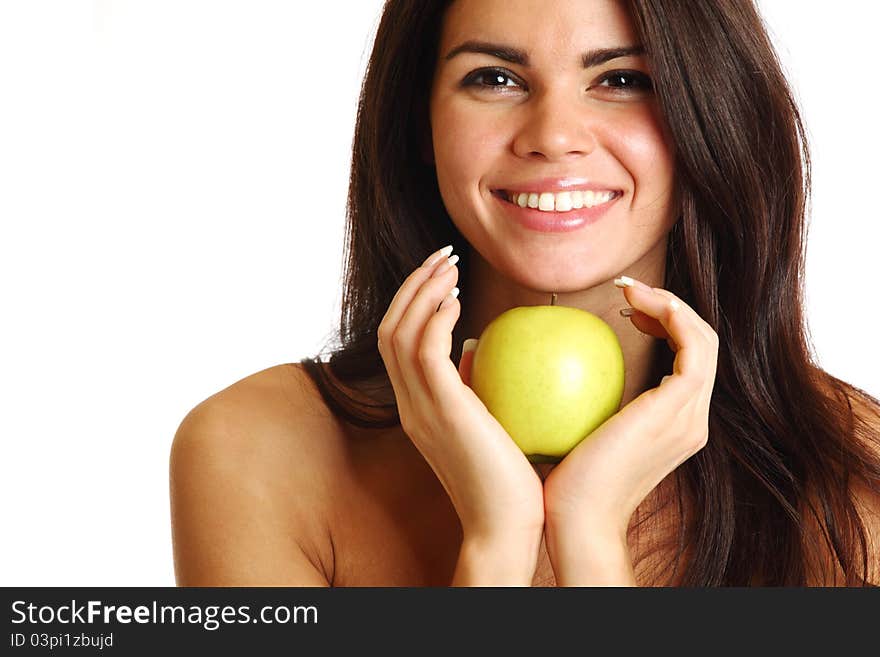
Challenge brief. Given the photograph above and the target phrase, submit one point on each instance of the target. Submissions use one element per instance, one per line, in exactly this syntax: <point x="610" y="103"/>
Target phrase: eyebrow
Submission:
<point x="516" y="56"/>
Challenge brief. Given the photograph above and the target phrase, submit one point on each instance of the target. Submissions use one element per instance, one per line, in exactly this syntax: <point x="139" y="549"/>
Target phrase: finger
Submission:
<point x="396" y="309"/>
<point x="649" y="325"/>
<point x="465" y="365"/>
<point x="680" y="325"/>
<point x="707" y="331"/>
<point x="646" y="323"/>
<point x="442" y="377"/>
<point x="408" y="336"/>
<point x="407" y="291"/>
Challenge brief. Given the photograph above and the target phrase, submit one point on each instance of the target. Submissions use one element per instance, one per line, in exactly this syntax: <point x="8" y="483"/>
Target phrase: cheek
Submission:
<point x="649" y="158"/>
<point x="467" y="145"/>
<point x="463" y="140"/>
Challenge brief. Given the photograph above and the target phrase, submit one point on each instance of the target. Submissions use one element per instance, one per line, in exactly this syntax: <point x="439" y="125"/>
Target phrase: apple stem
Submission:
<point x="553" y="299"/>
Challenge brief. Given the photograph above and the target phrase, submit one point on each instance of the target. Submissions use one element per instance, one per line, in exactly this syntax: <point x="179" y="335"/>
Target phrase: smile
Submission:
<point x="559" y="201"/>
<point x="555" y="212"/>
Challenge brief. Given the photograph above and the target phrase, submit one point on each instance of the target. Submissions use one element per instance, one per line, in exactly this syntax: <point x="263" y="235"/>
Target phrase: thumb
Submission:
<point x="467" y="360"/>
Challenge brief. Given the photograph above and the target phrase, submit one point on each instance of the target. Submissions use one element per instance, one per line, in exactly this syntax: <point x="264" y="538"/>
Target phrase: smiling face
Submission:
<point x="545" y="123"/>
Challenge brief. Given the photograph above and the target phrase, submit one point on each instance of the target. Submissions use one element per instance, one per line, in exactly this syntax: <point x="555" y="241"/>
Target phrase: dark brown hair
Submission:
<point x="774" y="483"/>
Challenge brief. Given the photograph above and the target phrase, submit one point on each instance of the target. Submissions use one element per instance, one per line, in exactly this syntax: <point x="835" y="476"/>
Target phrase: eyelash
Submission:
<point x="643" y="81"/>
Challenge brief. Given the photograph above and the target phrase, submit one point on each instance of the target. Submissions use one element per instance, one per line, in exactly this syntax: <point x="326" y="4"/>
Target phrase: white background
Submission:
<point x="172" y="186"/>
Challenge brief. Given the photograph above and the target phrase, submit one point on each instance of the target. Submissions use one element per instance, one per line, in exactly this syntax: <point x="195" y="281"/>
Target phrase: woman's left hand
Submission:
<point x="591" y="494"/>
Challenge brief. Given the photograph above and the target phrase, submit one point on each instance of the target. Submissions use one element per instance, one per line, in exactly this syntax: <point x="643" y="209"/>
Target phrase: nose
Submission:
<point x="557" y="125"/>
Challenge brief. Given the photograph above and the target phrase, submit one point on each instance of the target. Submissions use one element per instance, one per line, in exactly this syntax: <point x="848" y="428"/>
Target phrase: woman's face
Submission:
<point x="544" y="124"/>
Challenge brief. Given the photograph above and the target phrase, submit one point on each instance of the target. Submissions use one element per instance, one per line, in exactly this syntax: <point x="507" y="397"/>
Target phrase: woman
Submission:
<point x="733" y="460"/>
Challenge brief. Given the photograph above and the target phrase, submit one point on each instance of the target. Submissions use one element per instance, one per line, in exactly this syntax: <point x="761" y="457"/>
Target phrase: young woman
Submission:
<point x="733" y="459"/>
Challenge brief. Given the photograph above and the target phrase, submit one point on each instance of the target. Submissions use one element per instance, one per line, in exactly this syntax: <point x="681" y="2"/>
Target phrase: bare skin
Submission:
<point x="551" y="118"/>
<point x="559" y="120"/>
<point x="543" y="115"/>
<point x="366" y="510"/>
<point x="367" y="507"/>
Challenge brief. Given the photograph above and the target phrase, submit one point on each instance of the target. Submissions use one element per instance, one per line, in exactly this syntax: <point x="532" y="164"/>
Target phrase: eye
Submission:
<point x="627" y="81"/>
<point x="490" y="78"/>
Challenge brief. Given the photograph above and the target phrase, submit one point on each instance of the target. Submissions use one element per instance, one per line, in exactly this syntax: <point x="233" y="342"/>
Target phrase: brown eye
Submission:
<point x="627" y="81"/>
<point x="490" y="78"/>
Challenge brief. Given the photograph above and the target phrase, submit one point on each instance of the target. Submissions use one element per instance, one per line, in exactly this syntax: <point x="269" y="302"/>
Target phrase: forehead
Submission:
<point x="551" y="31"/>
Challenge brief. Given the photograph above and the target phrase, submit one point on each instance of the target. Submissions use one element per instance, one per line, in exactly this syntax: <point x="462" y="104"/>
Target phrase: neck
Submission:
<point x="486" y="293"/>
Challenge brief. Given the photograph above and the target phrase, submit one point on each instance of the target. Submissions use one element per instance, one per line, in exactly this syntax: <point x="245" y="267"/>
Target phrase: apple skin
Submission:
<point x="550" y="375"/>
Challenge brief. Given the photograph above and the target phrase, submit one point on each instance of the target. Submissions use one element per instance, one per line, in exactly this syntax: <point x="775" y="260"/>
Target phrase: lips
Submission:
<point x="548" y="222"/>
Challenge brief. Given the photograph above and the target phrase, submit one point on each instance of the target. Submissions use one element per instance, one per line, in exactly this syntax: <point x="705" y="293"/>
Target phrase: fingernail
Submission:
<point x="469" y="345"/>
<point x="442" y="268"/>
<point x="626" y="281"/>
<point x="449" y="298"/>
<point x="627" y="312"/>
<point x="437" y="257"/>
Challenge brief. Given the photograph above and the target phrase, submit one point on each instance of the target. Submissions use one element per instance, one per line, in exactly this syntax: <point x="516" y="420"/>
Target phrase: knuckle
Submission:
<point x="711" y="336"/>
<point x="414" y="427"/>
<point x="398" y="339"/>
<point x="699" y="440"/>
<point x="694" y="381"/>
<point x="382" y="334"/>
<point x="426" y="357"/>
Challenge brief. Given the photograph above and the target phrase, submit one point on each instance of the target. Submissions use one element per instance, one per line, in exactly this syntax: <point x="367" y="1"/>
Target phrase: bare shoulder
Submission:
<point x="249" y="476"/>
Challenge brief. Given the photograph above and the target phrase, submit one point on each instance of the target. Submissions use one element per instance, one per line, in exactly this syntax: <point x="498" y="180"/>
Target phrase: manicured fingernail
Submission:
<point x="442" y="268"/>
<point x="469" y="345"/>
<point x="627" y="312"/>
<point x="449" y="298"/>
<point x="626" y="281"/>
<point x="437" y="257"/>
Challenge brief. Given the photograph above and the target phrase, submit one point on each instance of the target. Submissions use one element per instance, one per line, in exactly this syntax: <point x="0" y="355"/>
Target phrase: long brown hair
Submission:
<point x="785" y="445"/>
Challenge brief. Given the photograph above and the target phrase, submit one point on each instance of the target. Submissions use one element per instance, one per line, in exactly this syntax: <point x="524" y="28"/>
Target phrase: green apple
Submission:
<point x="550" y="375"/>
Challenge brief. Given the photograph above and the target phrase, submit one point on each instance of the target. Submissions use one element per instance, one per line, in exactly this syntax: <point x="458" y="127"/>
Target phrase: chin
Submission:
<point x="559" y="282"/>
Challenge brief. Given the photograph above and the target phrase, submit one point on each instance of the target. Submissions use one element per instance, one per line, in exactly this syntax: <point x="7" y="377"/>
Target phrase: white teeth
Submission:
<point x="561" y="201"/>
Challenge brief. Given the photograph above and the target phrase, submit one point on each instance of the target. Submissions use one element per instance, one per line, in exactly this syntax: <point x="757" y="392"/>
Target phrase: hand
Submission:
<point x="491" y="484"/>
<point x="600" y="483"/>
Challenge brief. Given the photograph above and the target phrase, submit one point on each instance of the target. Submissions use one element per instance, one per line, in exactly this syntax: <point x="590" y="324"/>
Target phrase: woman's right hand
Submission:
<point x="493" y="487"/>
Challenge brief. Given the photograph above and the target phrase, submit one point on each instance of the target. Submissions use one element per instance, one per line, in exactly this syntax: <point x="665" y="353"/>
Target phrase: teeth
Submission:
<point x="561" y="201"/>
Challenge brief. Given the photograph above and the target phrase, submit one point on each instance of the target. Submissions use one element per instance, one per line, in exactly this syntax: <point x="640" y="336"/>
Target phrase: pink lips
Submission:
<point x="554" y="222"/>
